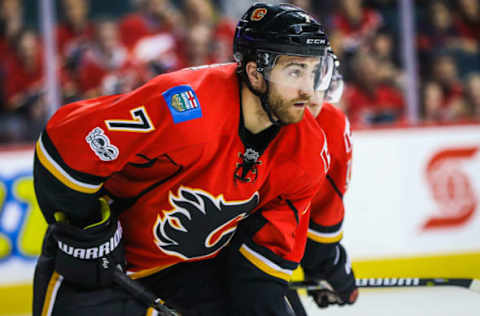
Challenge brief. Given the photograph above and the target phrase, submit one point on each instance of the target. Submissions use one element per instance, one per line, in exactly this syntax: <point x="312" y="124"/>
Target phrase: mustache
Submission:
<point x="302" y="100"/>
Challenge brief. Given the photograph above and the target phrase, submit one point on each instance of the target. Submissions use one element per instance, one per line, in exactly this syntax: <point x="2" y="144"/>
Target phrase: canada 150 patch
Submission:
<point x="182" y="103"/>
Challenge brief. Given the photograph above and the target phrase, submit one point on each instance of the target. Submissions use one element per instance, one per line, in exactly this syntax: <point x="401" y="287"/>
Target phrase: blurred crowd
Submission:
<point x="99" y="54"/>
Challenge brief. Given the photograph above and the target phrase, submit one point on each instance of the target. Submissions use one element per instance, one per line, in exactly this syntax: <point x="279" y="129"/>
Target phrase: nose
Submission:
<point x="306" y="90"/>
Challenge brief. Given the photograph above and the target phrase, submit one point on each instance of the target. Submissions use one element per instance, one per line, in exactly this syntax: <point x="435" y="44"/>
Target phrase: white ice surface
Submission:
<point x="438" y="301"/>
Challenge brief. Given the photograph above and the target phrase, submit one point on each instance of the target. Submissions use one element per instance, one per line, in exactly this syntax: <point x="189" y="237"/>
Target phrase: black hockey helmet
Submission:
<point x="266" y="31"/>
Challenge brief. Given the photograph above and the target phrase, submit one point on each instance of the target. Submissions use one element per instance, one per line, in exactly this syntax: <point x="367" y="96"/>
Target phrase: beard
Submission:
<point x="285" y="110"/>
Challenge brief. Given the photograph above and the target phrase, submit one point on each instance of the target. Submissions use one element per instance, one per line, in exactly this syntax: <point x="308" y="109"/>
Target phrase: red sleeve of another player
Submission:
<point x="327" y="206"/>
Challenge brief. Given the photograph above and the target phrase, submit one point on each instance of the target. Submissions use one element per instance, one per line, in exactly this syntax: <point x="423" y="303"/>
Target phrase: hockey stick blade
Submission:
<point x="141" y="293"/>
<point x="471" y="284"/>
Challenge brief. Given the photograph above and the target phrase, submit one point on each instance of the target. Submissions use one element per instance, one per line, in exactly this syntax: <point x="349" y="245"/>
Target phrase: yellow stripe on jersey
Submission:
<point x="55" y="169"/>
<point x="264" y="264"/>
<point x="151" y="312"/>
<point x="50" y="296"/>
<point x="148" y="272"/>
<point x="326" y="238"/>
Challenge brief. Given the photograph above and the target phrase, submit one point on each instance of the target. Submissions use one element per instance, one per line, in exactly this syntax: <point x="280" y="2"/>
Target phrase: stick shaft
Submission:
<point x="141" y="293"/>
<point x="471" y="284"/>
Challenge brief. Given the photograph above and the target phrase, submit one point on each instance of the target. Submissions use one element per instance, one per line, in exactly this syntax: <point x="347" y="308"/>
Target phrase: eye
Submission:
<point x="296" y="73"/>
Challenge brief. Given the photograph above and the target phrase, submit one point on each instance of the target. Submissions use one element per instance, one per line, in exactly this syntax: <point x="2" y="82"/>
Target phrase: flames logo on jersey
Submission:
<point x="199" y="225"/>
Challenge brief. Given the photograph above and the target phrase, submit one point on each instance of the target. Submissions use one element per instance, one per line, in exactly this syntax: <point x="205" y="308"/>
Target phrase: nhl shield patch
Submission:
<point x="182" y="103"/>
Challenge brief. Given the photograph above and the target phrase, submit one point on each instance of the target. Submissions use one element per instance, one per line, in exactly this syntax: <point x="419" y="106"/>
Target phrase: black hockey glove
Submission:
<point x="340" y="281"/>
<point x="89" y="256"/>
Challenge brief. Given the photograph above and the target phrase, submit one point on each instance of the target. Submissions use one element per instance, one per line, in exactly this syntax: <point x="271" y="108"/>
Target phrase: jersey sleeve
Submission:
<point x="327" y="205"/>
<point x="86" y="142"/>
<point x="266" y="249"/>
<point x="328" y="211"/>
<point x="277" y="236"/>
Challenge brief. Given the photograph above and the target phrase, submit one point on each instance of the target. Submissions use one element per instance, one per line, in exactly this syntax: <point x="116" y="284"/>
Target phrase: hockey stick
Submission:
<point x="471" y="284"/>
<point x="141" y="293"/>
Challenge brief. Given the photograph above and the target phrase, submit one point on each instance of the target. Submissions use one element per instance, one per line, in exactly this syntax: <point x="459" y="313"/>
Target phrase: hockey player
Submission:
<point x="198" y="184"/>
<point x="325" y="258"/>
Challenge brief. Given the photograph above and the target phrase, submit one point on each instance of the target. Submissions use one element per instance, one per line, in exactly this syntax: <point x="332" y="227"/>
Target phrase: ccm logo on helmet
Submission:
<point x="315" y="41"/>
<point x="258" y="14"/>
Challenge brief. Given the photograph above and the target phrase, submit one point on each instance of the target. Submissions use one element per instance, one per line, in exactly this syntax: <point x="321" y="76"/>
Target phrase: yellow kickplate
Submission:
<point x="447" y="266"/>
<point x="16" y="299"/>
<point x="439" y="266"/>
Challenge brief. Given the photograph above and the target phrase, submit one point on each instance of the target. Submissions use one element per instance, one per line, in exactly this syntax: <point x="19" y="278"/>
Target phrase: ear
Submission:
<point x="256" y="78"/>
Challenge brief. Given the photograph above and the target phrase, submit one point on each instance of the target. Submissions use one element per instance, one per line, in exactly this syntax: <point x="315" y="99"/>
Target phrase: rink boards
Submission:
<point x="412" y="209"/>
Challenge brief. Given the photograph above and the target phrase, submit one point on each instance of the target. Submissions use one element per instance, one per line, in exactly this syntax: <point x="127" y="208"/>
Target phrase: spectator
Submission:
<point x="468" y="19"/>
<point x="367" y="100"/>
<point x="472" y="95"/>
<point x="75" y="31"/>
<point x="153" y="16"/>
<point x="11" y="24"/>
<point x="433" y="102"/>
<point x="383" y="48"/>
<point x="443" y="31"/>
<point x="436" y="32"/>
<point x="467" y="22"/>
<point x="435" y="106"/>
<point x="389" y="10"/>
<point x="202" y="12"/>
<point x="24" y="70"/>
<point x="105" y="68"/>
<point x="355" y="23"/>
<point x="152" y="38"/>
<point x="444" y="70"/>
<point x="443" y="95"/>
<point x="198" y="45"/>
<point x="23" y="89"/>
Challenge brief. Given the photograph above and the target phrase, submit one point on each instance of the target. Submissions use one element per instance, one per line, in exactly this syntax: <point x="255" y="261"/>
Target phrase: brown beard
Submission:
<point x="283" y="109"/>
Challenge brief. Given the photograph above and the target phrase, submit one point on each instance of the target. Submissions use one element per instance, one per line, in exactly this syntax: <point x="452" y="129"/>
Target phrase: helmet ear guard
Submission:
<point x="265" y="60"/>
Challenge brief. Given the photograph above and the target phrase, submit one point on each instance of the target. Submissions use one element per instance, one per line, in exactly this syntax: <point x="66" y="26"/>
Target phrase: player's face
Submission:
<point x="292" y="82"/>
<point x="316" y="103"/>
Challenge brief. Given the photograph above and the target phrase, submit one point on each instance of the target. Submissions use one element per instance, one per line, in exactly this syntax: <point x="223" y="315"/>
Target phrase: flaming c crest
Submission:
<point x="199" y="225"/>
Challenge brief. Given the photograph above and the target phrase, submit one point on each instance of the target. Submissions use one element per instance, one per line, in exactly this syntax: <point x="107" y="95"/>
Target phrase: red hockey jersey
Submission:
<point x="327" y="206"/>
<point x="167" y="153"/>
